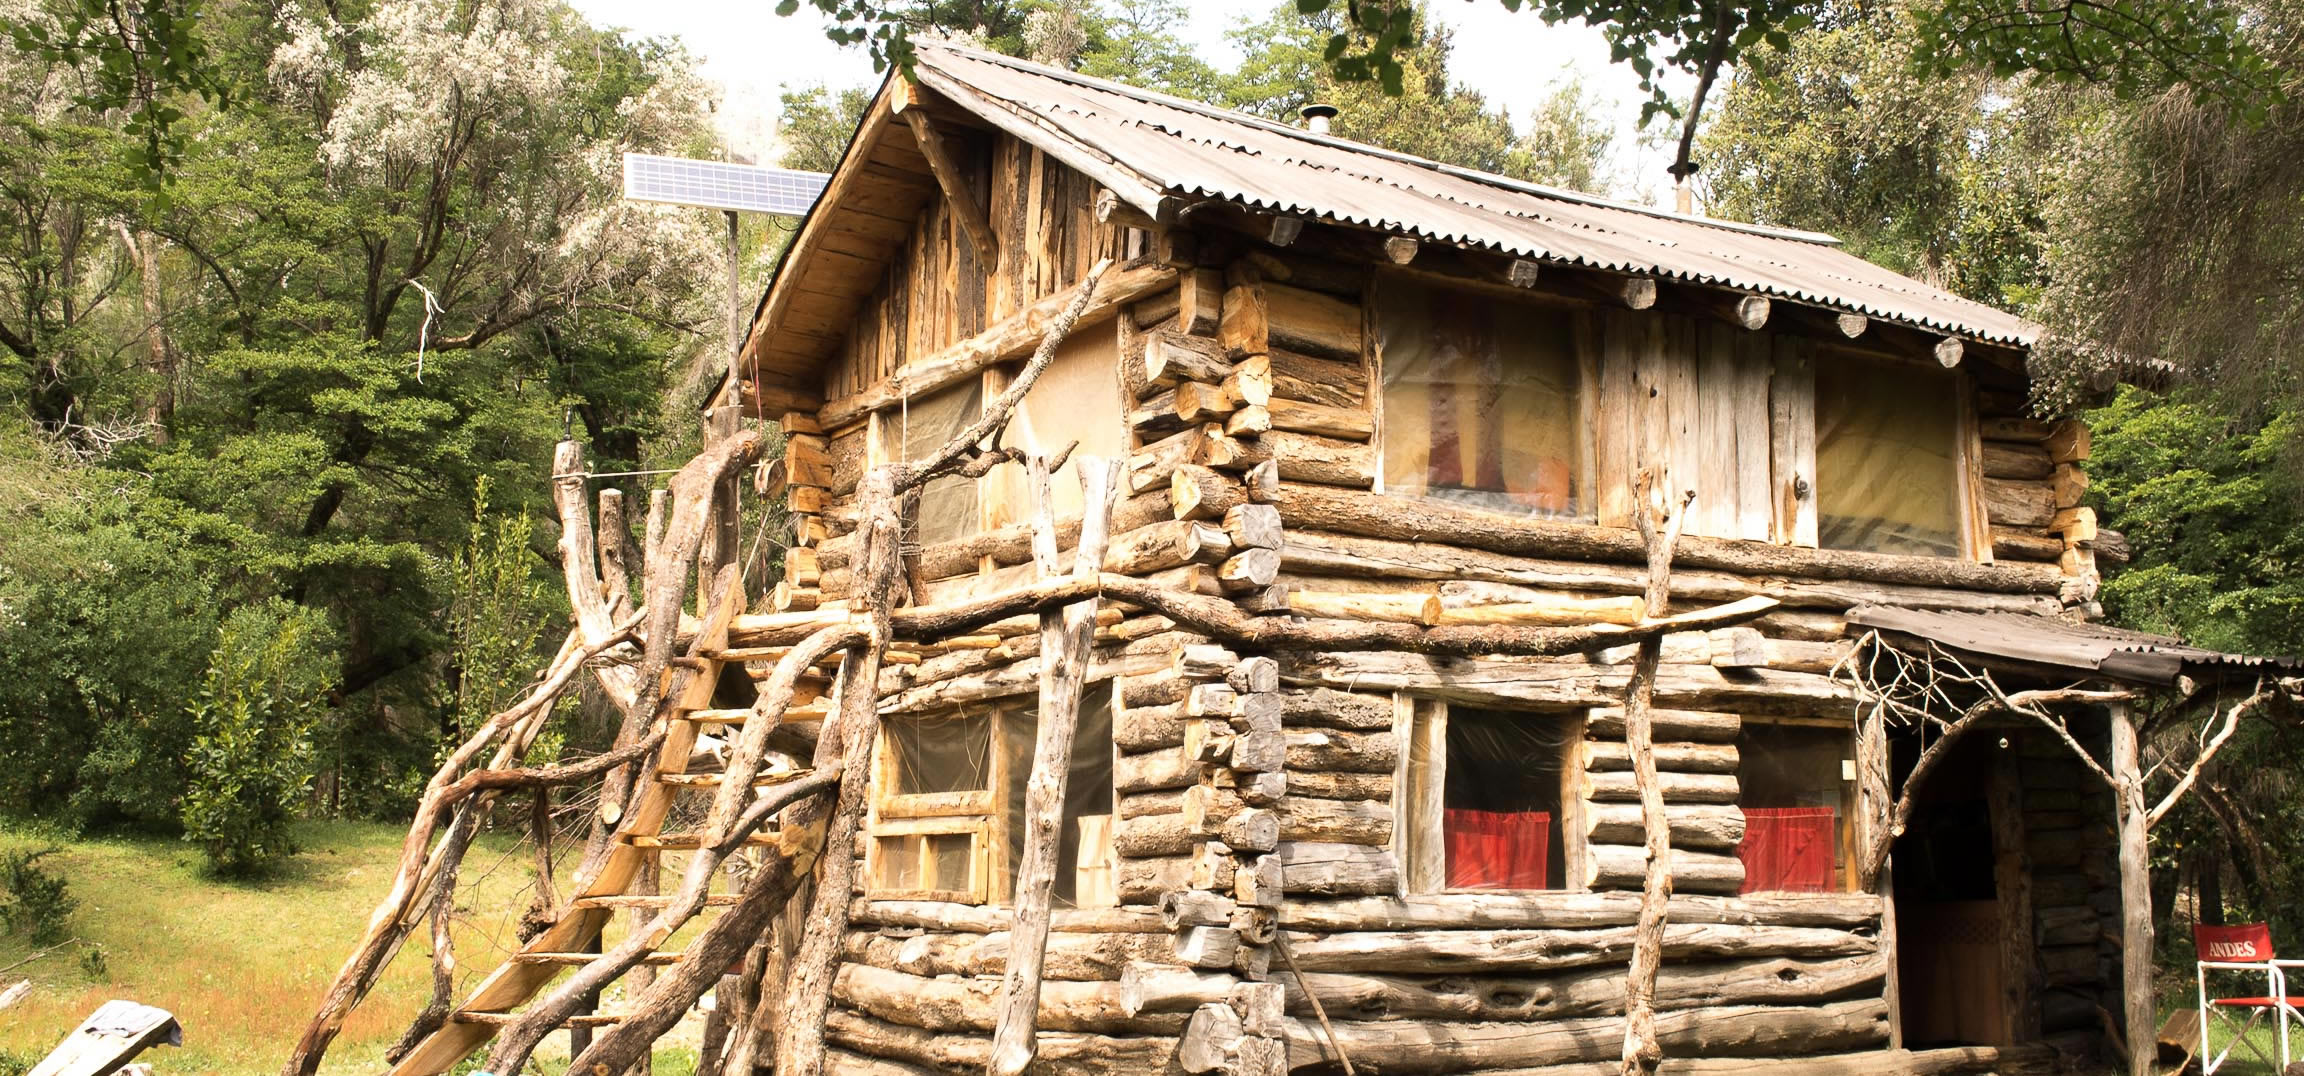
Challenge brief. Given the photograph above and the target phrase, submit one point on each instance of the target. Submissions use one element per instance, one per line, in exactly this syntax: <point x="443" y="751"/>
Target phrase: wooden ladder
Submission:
<point x="639" y="835"/>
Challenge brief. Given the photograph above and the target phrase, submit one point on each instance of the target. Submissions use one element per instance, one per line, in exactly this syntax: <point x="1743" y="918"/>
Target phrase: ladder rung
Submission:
<point x="502" y="1019"/>
<point x="645" y="900"/>
<point x="709" y="779"/>
<point x="805" y="712"/>
<point x="579" y="959"/>
<point x="689" y="842"/>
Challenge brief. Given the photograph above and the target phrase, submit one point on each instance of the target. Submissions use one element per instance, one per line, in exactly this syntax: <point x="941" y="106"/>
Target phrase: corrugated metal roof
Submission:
<point x="2085" y="649"/>
<point x="1185" y="149"/>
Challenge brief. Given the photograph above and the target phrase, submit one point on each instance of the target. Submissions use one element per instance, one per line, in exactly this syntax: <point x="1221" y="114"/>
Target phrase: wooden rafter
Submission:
<point x="968" y="208"/>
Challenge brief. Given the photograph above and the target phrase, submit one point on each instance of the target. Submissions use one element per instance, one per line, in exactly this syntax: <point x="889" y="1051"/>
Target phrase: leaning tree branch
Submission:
<point x="403" y="904"/>
<point x="2263" y="696"/>
<point x="1642" y="1051"/>
<point x="995" y="418"/>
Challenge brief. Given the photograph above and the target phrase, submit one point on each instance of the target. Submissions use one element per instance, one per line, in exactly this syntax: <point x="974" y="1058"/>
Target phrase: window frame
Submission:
<point x="1845" y="832"/>
<point x="1584" y="331"/>
<point x="1419" y="800"/>
<point x="980" y="814"/>
<point x="1972" y="523"/>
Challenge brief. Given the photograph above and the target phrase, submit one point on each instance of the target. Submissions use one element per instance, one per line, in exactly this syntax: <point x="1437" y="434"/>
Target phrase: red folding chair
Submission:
<point x="2244" y="948"/>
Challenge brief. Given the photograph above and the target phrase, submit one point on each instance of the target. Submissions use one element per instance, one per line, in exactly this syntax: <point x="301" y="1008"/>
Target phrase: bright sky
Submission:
<point x="1512" y="58"/>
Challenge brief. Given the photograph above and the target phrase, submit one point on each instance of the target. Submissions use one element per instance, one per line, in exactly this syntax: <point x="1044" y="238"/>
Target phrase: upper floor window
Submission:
<point x="1481" y="401"/>
<point x="1887" y="459"/>
<point x="948" y="506"/>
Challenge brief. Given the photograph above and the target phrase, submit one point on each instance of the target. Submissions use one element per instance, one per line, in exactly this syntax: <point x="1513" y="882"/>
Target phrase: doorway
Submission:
<point x="1949" y="963"/>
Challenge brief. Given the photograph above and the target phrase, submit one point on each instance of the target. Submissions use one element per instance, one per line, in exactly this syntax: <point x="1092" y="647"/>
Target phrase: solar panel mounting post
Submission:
<point x="735" y="310"/>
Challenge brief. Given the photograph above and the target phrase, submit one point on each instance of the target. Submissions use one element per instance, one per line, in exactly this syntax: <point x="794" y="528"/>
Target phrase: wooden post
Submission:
<point x="2135" y="895"/>
<point x="1642" y="1051"/>
<point x="2012" y="881"/>
<point x="1065" y="638"/>
<point x="848" y="737"/>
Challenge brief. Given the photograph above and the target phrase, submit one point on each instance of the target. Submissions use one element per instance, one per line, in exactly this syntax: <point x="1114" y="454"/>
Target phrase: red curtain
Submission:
<point x="1787" y="849"/>
<point x="1497" y="849"/>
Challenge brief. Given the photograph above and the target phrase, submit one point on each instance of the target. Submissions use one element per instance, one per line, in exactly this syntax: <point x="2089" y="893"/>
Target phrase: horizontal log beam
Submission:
<point x="1012" y="338"/>
<point x="1564" y="911"/>
<point x="1400" y="1046"/>
<point x="1376" y="515"/>
<point x="1451" y="951"/>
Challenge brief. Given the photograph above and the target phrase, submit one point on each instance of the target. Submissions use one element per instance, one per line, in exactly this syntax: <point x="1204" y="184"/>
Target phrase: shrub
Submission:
<point x="252" y="756"/>
<point x="37" y="903"/>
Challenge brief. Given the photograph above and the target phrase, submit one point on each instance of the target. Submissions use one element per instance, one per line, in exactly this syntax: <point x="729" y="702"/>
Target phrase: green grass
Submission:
<point x="242" y="964"/>
<point x="2242" y="1061"/>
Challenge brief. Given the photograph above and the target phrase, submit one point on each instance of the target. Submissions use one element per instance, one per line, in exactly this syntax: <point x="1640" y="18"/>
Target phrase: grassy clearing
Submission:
<point x="243" y="964"/>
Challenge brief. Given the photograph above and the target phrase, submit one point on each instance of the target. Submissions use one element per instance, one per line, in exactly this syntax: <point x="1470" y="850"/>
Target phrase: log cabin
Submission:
<point x="1353" y="387"/>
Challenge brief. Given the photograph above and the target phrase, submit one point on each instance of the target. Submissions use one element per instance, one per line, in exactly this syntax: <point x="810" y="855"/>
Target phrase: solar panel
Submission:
<point x="719" y="185"/>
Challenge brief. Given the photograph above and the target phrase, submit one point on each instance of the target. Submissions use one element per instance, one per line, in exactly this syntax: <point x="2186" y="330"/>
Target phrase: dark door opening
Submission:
<point x="1948" y="945"/>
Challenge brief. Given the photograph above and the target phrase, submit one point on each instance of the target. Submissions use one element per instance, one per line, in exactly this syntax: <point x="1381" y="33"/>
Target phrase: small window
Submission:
<point x="1481" y="402"/>
<point x="1489" y="804"/>
<point x="1887" y="459"/>
<point x="948" y="806"/>
<point x="1796" y="784"/>
<point x="914" y="431"/>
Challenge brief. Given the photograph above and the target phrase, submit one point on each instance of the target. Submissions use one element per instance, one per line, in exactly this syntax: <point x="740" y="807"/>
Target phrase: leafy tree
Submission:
<point x="1140" y="42"/>
<point x="1570" y="141"/>
<point x="1285" y="68"/>
<point x="2134" y="47"/>
<point x="1941" y="178"/>
<point x="397" y="265"/>
<point x="252" y="759"/>
<point x="2183" y="243"/>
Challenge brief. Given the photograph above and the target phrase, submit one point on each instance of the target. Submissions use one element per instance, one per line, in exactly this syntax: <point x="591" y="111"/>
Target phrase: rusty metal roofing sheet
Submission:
<point x="1187" y="149"/>
<point x="2084" y="649"/>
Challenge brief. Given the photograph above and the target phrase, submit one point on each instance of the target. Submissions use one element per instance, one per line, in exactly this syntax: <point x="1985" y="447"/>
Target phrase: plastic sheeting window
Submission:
<point x="1480" y="402"/>
<point x="1076" y="401"/>
<point x="915" y="431"/>
<point x="947" y="753"/>
<point x="1887" y="459"/>
<point x="1796" y="784"/>
<point x="936" y="776"/>
<point x="949" y="812"/>
<point x="1084" y="835"/>
<point x="1499" y="795"/>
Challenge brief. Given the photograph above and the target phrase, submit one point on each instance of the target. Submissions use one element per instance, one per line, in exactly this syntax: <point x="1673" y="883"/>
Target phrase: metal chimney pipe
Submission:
<point x="1316" y="117"/>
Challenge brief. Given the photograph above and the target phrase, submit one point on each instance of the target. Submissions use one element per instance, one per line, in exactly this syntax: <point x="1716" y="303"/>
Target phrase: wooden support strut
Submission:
<point x="965" y="205"/>
<point x="1065" y="638"/>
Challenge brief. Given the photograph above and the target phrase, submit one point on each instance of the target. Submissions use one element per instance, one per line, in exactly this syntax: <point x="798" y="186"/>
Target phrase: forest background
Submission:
<point x="278" y="385"/>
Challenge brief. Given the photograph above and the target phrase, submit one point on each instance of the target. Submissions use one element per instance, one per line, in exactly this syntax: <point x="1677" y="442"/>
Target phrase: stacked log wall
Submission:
<point x="2072" y="846"/>
<point x="1255" y="794"/>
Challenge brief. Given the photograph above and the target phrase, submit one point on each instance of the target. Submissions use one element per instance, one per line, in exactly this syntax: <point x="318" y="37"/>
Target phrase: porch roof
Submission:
<point x="2085" y="650"/>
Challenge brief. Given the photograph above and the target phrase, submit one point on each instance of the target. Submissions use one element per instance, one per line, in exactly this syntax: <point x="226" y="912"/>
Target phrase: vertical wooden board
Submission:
<point x="1617" y="425"/>
<point x="1585" y="333"/>
<point x="1715" y="511"/>
<point x="1035" y="228"/>
<point x="892" y="318"/>
<point x="1575" y="849"/>
<point x="1421" y="779"/>
<point x="1792" y="434"/>
<point x="1976" y="522"/>
<point x="2012" y="889"/>
<point x="1682" y="404"/>
<point x="1748" y="419"/>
